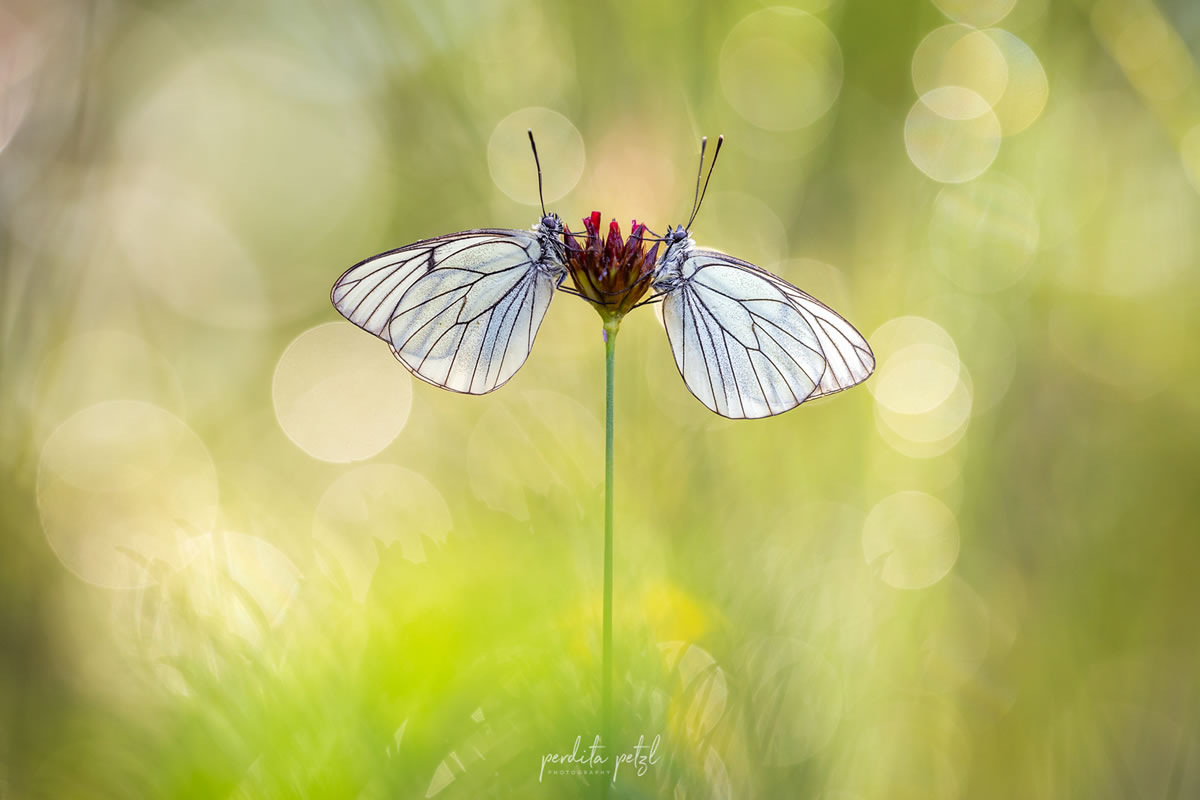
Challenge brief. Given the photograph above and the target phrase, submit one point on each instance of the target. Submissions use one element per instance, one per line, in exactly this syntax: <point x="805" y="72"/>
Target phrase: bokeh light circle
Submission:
<point x="560" y="149"/>
<point x="781" y="68"/>
<point x="120" y="486"/>
<point x="976" y="13"/>
<point x="917" y="379"/>
<point x="993" y="63"/>
<point x="958" y="55"/>
<point x="919" y="365"/>
<point x="377" y="505"/>
<point x="339" y="394"/>
<point x="1027" y="90"/>
<point x="911" y="539"/>
<point x="983" y="235"/>
<point x="933" y="432"/>
<point x="952" y="134"/>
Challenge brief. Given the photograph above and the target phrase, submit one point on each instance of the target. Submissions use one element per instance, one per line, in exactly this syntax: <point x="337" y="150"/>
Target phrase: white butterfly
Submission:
<point x="747" y="343"/>
<point x="461" y="310"/>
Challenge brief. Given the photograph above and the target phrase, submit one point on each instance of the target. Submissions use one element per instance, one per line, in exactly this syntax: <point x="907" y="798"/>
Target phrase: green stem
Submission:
<point x="610" y="350"/>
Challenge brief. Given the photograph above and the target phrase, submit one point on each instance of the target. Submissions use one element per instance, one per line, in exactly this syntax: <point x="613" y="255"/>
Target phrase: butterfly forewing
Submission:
<point x="460" y="311"/>
<point x="748" y="344"/>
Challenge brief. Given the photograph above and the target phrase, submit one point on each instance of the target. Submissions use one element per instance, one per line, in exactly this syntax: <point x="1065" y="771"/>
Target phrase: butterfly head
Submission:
<point x="550" y="224"/>
<point x="679" y="243"/>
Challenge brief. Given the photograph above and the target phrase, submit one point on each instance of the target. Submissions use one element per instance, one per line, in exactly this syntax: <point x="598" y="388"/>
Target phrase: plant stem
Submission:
<point x="610" y="349"/>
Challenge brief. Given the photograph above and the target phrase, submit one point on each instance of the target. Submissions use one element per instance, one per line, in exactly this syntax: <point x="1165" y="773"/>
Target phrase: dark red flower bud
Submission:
<point x="612" y="272"/>
<point x="613" y="245"/>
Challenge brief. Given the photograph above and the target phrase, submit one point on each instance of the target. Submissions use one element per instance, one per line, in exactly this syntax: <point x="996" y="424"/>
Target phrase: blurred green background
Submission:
<point x="245" y="555"/>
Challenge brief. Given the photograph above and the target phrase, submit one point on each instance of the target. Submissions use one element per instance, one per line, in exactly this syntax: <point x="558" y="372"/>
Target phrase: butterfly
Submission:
<point x="747" y="343"/>
<point x="461" y="310"/>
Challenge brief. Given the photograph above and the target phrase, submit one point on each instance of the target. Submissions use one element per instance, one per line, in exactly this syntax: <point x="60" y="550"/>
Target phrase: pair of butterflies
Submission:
<point x="461" y="311"/>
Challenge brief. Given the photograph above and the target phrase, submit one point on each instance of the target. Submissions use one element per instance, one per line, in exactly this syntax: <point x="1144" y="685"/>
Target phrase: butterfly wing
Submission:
<point x="749" y="344"/>
<point x="460" y="311"/>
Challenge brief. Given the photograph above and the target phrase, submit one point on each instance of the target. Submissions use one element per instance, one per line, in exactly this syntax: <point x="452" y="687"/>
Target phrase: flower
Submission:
<point x="612" y="273"/>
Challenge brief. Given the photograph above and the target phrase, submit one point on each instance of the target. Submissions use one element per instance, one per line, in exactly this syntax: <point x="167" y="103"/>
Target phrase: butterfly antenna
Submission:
<point x="699" y="172"/>
<point x="533" y="144"/>
<point x="701" y="192"/>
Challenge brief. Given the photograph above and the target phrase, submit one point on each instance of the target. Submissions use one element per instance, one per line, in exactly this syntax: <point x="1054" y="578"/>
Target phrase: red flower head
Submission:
<point x="612" y="273"/>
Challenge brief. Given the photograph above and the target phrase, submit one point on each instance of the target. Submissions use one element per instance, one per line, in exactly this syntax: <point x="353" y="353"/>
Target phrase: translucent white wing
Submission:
<point x="368" y="293"/>
<point x="749" y="344"/>
<point x="460" y="311"/>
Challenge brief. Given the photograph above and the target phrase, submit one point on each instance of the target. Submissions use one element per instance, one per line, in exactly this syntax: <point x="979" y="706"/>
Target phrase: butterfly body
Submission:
<point x="670" y="274"/>
<point x="552" y="261"/>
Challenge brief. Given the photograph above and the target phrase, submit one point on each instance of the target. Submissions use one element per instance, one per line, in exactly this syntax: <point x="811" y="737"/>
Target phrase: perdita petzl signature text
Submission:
<point x="593" y="760"/>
